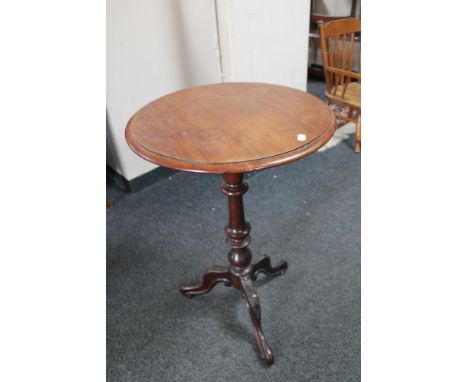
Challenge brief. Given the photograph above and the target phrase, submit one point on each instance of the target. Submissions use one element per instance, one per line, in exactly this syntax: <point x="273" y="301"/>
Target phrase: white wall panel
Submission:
<point x="265" y="40"/>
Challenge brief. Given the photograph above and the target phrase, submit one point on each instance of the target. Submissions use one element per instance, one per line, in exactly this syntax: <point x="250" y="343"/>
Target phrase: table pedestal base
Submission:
<point x="221" y="274"/>
<point x="241" y="272"/>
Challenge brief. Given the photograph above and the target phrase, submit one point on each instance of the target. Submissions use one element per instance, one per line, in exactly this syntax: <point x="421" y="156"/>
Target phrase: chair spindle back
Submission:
<point x="337" y="40"/>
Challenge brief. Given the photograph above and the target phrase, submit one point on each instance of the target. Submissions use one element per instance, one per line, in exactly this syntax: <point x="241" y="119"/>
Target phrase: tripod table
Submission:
<point x="230" y="129"/>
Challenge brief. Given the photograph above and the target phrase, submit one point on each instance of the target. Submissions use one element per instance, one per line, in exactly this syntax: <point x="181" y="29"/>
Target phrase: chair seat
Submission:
<point x="352" y="95"/>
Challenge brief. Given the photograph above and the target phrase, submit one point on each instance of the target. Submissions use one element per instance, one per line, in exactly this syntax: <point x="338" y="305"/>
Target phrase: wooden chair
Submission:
<point x="316" y="70"/>
<point x="342" y="72"/>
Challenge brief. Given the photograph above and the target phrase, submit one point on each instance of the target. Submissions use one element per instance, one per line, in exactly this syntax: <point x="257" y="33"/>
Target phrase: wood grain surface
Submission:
<point x="230" y="127"/>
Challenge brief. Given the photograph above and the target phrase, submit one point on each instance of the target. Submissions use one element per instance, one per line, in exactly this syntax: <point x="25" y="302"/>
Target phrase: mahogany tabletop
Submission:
<point x="230" y="127"/>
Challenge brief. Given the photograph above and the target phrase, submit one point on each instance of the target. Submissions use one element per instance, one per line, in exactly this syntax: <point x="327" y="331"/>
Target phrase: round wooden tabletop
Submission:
<point x="230" y="128"/>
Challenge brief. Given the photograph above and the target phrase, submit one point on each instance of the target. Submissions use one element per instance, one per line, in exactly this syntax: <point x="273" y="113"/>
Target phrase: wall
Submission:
<point x="155" y="47"/>
<point x="202" y="50"/>
<point x="145" y="60"/>
<point x="265" y="41"/>
<point x="335" y="7"/>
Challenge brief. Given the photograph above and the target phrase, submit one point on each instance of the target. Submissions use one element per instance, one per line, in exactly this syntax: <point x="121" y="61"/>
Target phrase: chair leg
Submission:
<point x="357" y="144"/>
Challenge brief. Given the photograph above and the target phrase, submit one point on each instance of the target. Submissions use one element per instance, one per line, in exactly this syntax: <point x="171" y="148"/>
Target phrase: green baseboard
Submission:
<point x="140" y="182"/>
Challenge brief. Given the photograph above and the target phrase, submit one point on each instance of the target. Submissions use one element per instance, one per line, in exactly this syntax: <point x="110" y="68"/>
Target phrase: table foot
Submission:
<point x="253" y="304"/>
<point x="214" y="275"/>
<point x="264" y="266"/>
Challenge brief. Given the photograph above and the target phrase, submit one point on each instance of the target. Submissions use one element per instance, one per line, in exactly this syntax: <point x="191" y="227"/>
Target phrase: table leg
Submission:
<point x="264" y="266"/>
<point x="241" y="272"/>
<point x="214" y="275"/>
